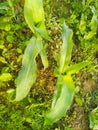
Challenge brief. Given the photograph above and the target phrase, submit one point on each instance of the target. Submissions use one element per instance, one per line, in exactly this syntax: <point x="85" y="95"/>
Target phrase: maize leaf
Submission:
<point x="82" y="26"/>
<point x="34" y="16"/>
<point x="75" y="68"/>
<point x="27" y="74"/>
<point x="93" y="25"/>
<point x="63" y="100"/>
<point x="66" y="49"/>
<point x="44" y="57"/>
<point x="94" y="21"/>
<point x="93" y="117"/>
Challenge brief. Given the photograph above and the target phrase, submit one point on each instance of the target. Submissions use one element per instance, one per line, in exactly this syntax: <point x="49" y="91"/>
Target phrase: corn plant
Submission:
<point x="64" y="93"/>
<point x="93" y="23"/>
<point x="65" y="89"/>
<point x="34" y="16"/>
<point x="93" y="117"/>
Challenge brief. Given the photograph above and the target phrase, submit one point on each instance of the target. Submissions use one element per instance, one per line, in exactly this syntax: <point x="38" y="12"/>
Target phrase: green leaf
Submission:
<point x="82" y="25"/>
<point x="44" y="57"/>
<point x="93" y="24"/>
<point x="34" y="16"/>
<point x="4" y="23"/>
<point x="66" y="49"/>
<point x="63" y="100"/>
<point x="27" y="74"/>
<point x="57" y="91"/>
<point x="75" y="68"/>
<point x="3" y="6"/>
<point x="5" y="77"/>
<point x="12" y="6"/>
<point x="10" y="38"/>
<point x="94" y="21"/>
<point x="93" y="117"/>
<point x="89" y="35"/>
<point x="2" y="59"/>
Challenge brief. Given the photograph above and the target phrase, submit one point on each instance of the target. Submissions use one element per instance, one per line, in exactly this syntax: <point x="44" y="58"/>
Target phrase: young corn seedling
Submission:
<point x="93" y="24"/>
<point x="34" y="16"/>
<point x="93" y="117"/>
<point x="65" y="89"/>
